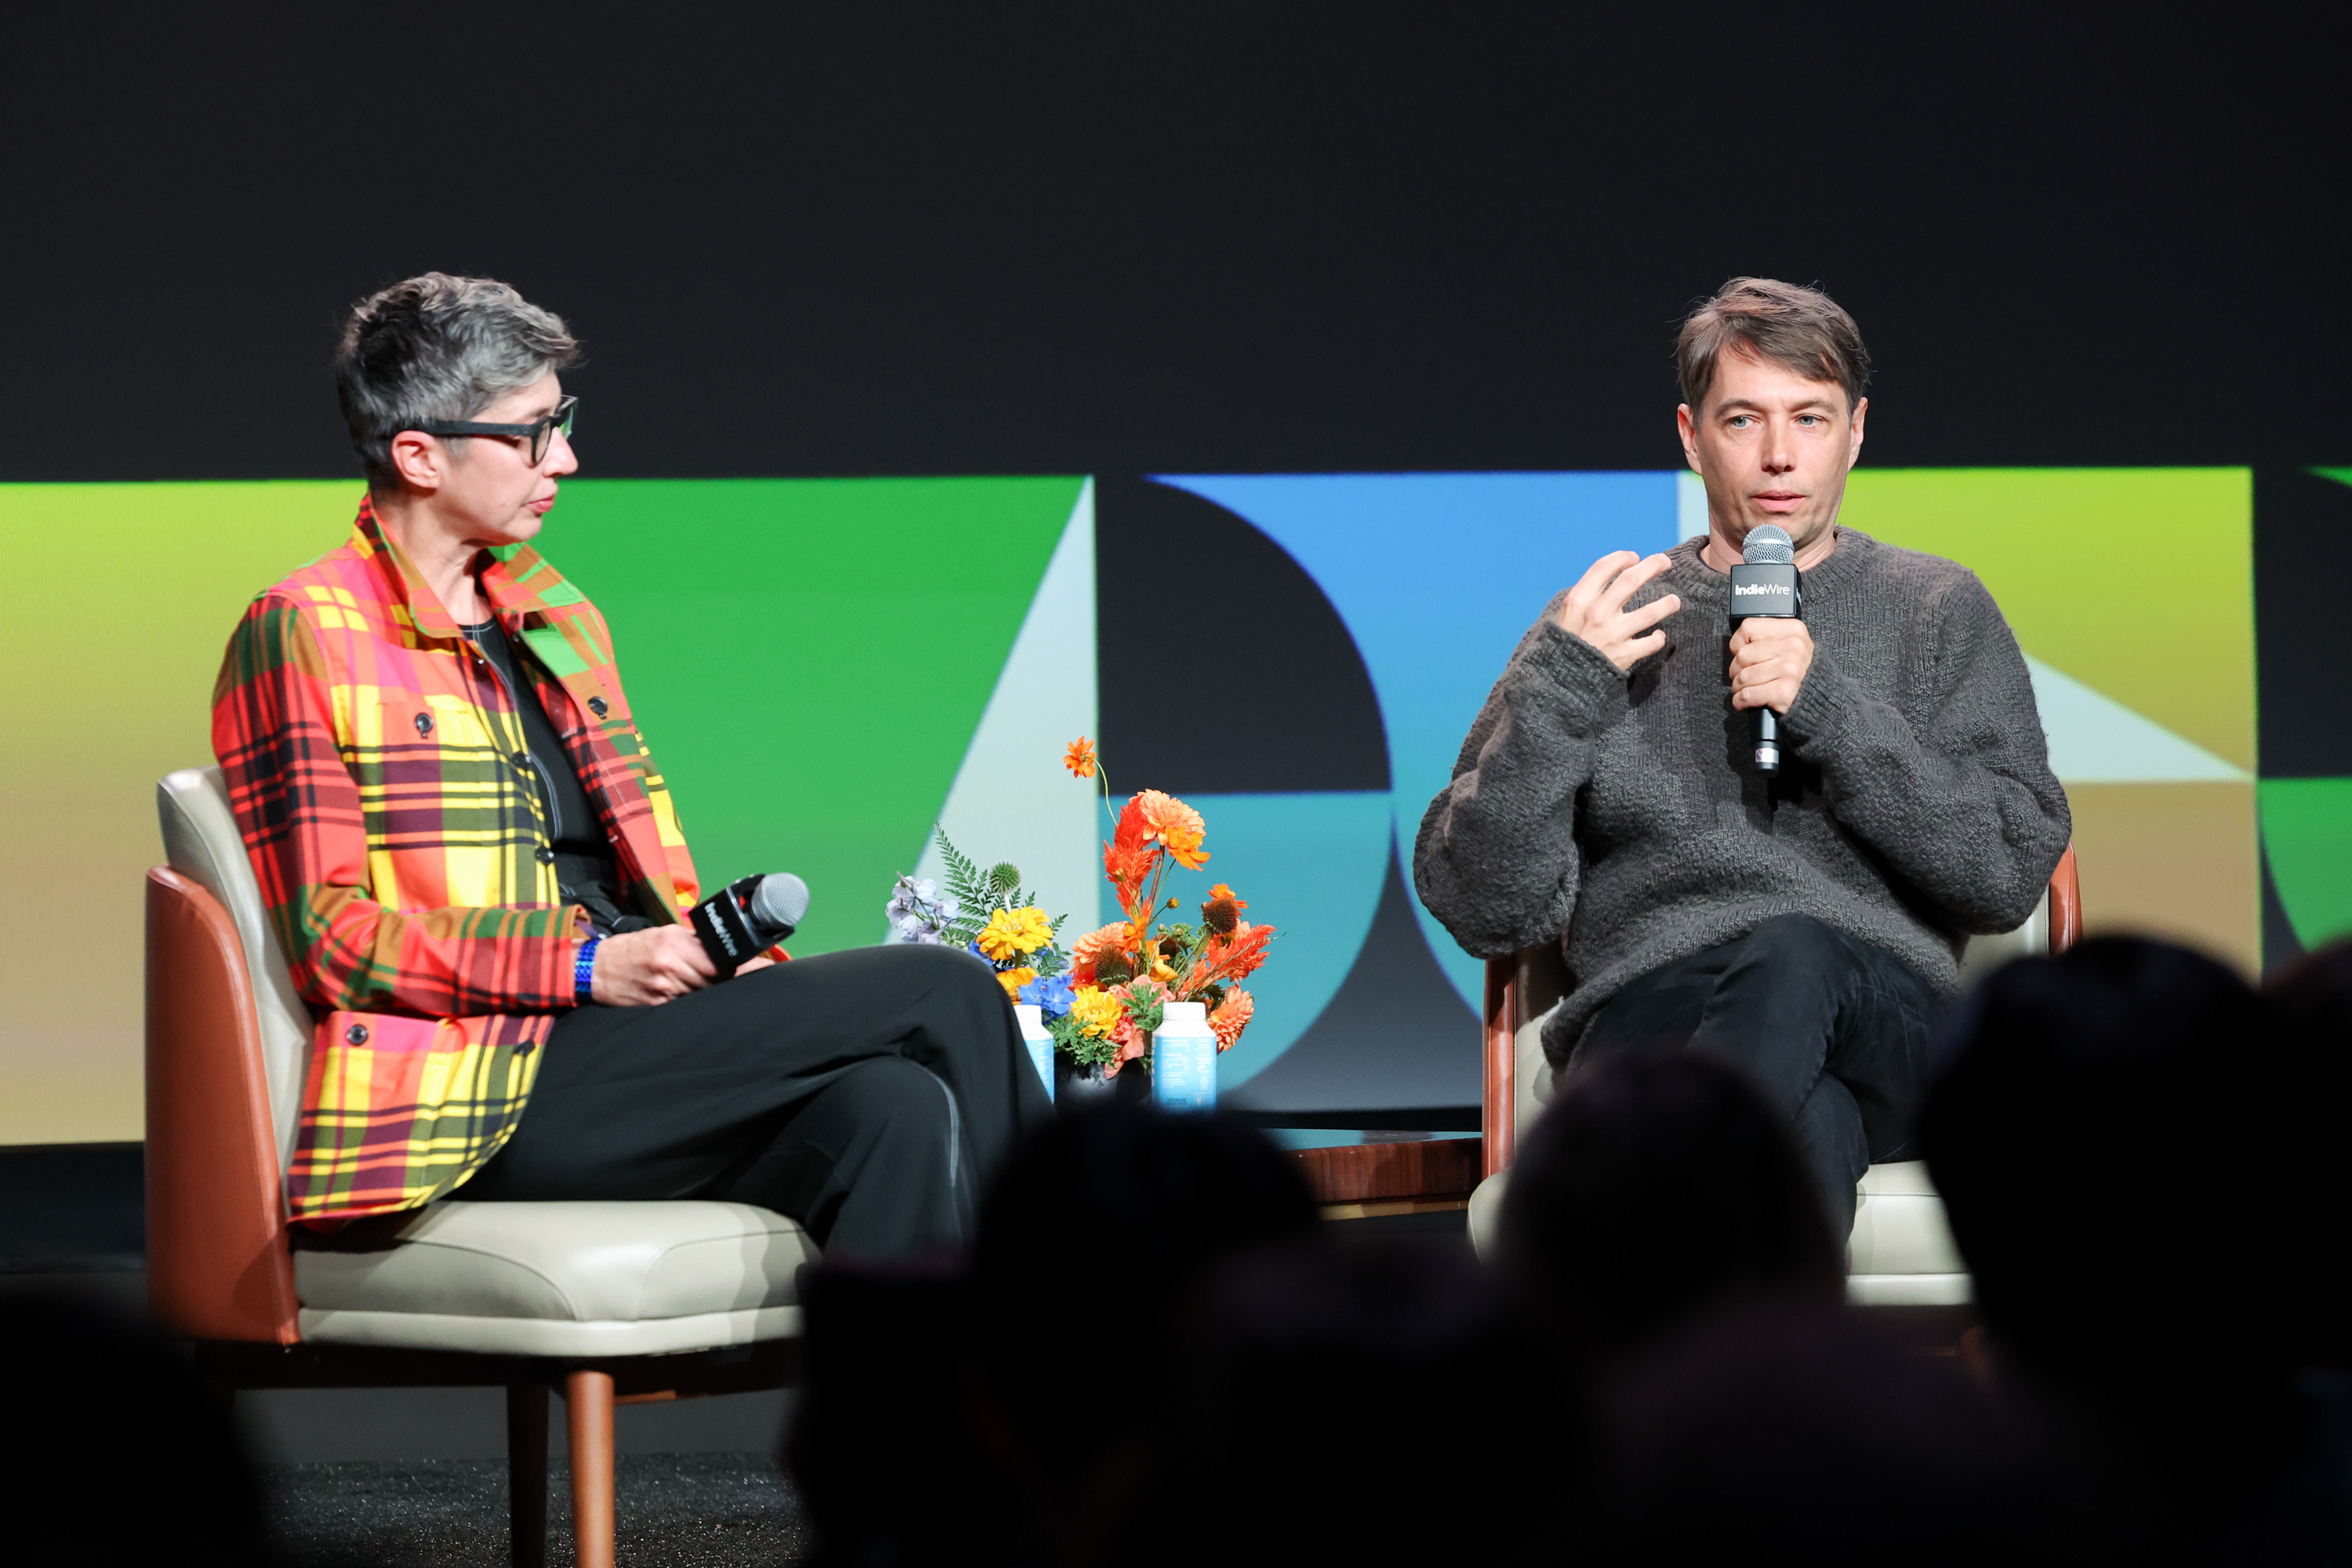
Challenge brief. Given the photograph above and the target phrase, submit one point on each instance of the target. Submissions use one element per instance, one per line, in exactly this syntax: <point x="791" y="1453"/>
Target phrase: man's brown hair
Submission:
<point x="1780" y="323"/>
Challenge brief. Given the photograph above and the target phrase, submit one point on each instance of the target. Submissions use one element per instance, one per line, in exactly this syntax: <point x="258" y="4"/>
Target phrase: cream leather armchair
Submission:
<point x="1901" y="1252"/>
<point x="610" y="1301"/>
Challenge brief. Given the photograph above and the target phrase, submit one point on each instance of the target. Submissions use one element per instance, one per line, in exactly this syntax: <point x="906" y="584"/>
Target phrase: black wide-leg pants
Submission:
<point x="866" y="1094"/>
<point x="1833" y="1030"/>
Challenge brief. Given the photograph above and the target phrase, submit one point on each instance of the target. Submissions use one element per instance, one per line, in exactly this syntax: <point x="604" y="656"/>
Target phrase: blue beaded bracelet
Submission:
<point x="584" y="969"/>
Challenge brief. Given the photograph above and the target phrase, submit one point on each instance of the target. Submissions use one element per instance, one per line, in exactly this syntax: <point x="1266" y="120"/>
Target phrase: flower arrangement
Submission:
<point x="1121" y="977"/>
<point x="990" y="915"/>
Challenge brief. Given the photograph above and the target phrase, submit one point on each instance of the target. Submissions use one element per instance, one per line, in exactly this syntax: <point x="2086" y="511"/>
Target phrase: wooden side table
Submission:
<point x="1365" y="1176"/>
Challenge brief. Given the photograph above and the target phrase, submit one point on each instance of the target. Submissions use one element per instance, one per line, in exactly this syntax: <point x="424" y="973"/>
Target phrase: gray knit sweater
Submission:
<point x="1915" y="806"/>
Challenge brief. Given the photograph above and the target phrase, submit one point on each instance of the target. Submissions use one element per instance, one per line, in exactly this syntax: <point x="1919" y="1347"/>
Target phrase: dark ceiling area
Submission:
<point x="977" y="239"/>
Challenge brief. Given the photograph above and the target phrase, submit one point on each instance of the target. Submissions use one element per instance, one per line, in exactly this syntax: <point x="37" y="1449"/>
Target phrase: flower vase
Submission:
<point x="1076" y="1088"/>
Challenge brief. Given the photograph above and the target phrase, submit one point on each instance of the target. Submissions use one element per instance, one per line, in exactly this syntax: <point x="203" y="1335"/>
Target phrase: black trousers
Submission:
<point x="866" y="1094"/>
<point x="1833" y="1030"/>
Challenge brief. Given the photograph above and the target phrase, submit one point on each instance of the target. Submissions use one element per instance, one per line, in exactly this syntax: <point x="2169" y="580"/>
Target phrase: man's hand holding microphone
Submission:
<point x="1772" y="651"/>
<point x="1768" y="662"/>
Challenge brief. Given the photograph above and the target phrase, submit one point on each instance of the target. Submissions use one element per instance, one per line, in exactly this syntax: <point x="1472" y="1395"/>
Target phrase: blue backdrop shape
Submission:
<point x="1436" y="576"/>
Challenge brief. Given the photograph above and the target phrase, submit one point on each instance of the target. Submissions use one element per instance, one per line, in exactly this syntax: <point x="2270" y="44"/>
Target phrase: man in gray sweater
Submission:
<point x="1806" y="925"/>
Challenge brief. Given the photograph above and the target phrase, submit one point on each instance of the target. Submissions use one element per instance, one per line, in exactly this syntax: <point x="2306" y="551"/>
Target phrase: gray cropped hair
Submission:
<point x="437" y="347"/>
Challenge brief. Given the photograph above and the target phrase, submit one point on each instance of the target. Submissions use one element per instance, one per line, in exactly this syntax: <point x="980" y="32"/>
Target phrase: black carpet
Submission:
<point x="675" y="1510"/>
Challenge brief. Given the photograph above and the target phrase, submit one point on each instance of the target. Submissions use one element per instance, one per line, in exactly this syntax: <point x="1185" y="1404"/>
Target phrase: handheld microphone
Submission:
<point x="1766" y="584"/>
<point x="748" y="916"/>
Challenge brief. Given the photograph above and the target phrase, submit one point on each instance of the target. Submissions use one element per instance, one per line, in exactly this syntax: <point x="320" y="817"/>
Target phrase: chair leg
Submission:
<point x="588" y="1396"/>
<point x="527" y="1474"/>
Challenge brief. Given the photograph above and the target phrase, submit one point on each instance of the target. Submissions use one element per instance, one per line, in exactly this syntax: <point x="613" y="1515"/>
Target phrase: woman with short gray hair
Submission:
<point x="480" y="883"/>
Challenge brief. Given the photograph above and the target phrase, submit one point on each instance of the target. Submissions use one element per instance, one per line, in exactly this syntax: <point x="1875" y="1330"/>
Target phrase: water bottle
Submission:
<point x="1040" y="1043"/>
<point x="1184" y="1058"/>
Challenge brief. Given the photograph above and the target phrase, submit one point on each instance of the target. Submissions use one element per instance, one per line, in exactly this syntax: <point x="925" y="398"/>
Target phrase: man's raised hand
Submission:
<point x="1595" y="608"/>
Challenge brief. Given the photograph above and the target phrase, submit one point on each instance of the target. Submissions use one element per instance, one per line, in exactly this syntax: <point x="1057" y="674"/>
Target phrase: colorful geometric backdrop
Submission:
<point x="825" y="667"/>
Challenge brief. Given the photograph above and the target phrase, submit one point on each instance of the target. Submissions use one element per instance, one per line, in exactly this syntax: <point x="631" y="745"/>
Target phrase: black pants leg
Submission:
<point x="1833" y="1030"/>
<point x="867" y="1094"/>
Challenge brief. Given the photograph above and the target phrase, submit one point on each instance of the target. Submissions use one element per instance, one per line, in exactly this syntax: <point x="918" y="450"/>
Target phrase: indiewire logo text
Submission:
<point x="1779" y="588"/>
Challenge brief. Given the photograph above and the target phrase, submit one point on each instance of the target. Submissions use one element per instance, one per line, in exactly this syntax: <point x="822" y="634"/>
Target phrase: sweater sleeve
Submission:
<point x="305" y="830"/>
<point x="1960" y="800"/>
<point x="1497" y="859"/>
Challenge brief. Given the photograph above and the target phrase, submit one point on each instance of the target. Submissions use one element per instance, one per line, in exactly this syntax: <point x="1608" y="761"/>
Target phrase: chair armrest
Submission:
<point x="2066" y="903"/>
<point x="1520" y="988"/>
<point x="1498" y="1098"/>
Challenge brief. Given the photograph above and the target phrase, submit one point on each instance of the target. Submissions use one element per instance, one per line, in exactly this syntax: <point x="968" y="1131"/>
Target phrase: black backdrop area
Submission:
<point x="886" y="238"/>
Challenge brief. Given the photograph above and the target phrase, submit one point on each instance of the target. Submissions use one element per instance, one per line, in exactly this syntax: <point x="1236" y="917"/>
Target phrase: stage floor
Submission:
<point x="675" y="1510"/>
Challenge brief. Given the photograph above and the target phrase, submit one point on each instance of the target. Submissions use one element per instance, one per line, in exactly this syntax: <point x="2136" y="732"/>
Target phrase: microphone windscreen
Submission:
<point x="1770" y="545"/>
<point x="781" y="900"/>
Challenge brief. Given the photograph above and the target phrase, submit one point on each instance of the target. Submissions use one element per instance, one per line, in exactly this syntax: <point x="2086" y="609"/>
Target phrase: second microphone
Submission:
<point x="748" y="916"/>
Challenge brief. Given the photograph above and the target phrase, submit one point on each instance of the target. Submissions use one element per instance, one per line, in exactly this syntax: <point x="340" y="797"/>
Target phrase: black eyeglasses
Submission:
<point x="538" y="433"/>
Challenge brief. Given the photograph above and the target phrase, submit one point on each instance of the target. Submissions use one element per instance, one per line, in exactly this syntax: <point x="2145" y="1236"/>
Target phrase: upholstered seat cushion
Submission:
<point x="1900" y="1254"/>
<point x="562" y="1278"/>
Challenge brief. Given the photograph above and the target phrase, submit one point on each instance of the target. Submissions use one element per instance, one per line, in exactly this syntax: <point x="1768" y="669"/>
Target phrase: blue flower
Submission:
<point x="1050" y="993"/>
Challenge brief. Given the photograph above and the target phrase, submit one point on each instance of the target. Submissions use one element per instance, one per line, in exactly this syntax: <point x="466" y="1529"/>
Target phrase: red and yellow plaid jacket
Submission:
<point x="372" y="758"/>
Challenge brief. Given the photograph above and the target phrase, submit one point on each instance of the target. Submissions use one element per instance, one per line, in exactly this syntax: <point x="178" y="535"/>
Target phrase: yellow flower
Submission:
<point x="1016" y="933"/>
<point x="1012" y="980"/>
<point x="1096" y="1010"/>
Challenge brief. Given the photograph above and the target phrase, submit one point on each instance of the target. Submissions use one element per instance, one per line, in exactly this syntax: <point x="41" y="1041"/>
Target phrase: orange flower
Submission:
<point x="1012" y="980"/>
<point x="1229" y="958"/>
<point x="1088" y="949"/>
<point x="1232" y="1016"/>
<point x="1127" y="866"/>
<point x="1222" y="891"/>
<point x="1080" y="758"/>
<point x="1130" y="1047"/>
<point x="1129" y="1038"/>
<point x="1132" y="832"/>
<point x="1175" y="825"/>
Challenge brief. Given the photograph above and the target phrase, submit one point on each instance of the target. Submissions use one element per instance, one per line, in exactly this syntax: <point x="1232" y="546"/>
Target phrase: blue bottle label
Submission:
<point x="1184" y="1071"/>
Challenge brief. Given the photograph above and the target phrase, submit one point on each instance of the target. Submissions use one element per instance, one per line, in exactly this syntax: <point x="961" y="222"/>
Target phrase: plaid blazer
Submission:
<point x="378" y="769"/>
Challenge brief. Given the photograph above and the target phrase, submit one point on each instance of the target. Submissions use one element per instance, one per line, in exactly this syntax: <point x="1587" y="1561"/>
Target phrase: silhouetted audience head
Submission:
<point x="122" y="1455"/>
<point x="2311" y="1000"/>
<point x="1094" y="1229"/>
<point x="1351" y="1402"/>
<point x="1793" y="1433"/>
<point x="2313" y="996"/>
<point x="2104" y="1129"/>
<point x="992" y="1412"/>
<point x="1659" y="1188"/>
<point x="2131" y="1146"/>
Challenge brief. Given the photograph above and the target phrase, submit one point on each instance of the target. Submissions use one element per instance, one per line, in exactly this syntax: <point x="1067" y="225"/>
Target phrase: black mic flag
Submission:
<point x="1766" y="584"/>
<point x="747" y="916"/>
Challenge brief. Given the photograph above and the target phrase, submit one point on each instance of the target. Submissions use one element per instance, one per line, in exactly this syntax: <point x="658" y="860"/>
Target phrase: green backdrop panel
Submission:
<point x="2307" y="837"/>
<point x="808" y="658"/>
<point x="119" y="599"/>
<point x="2082" y="559"/>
